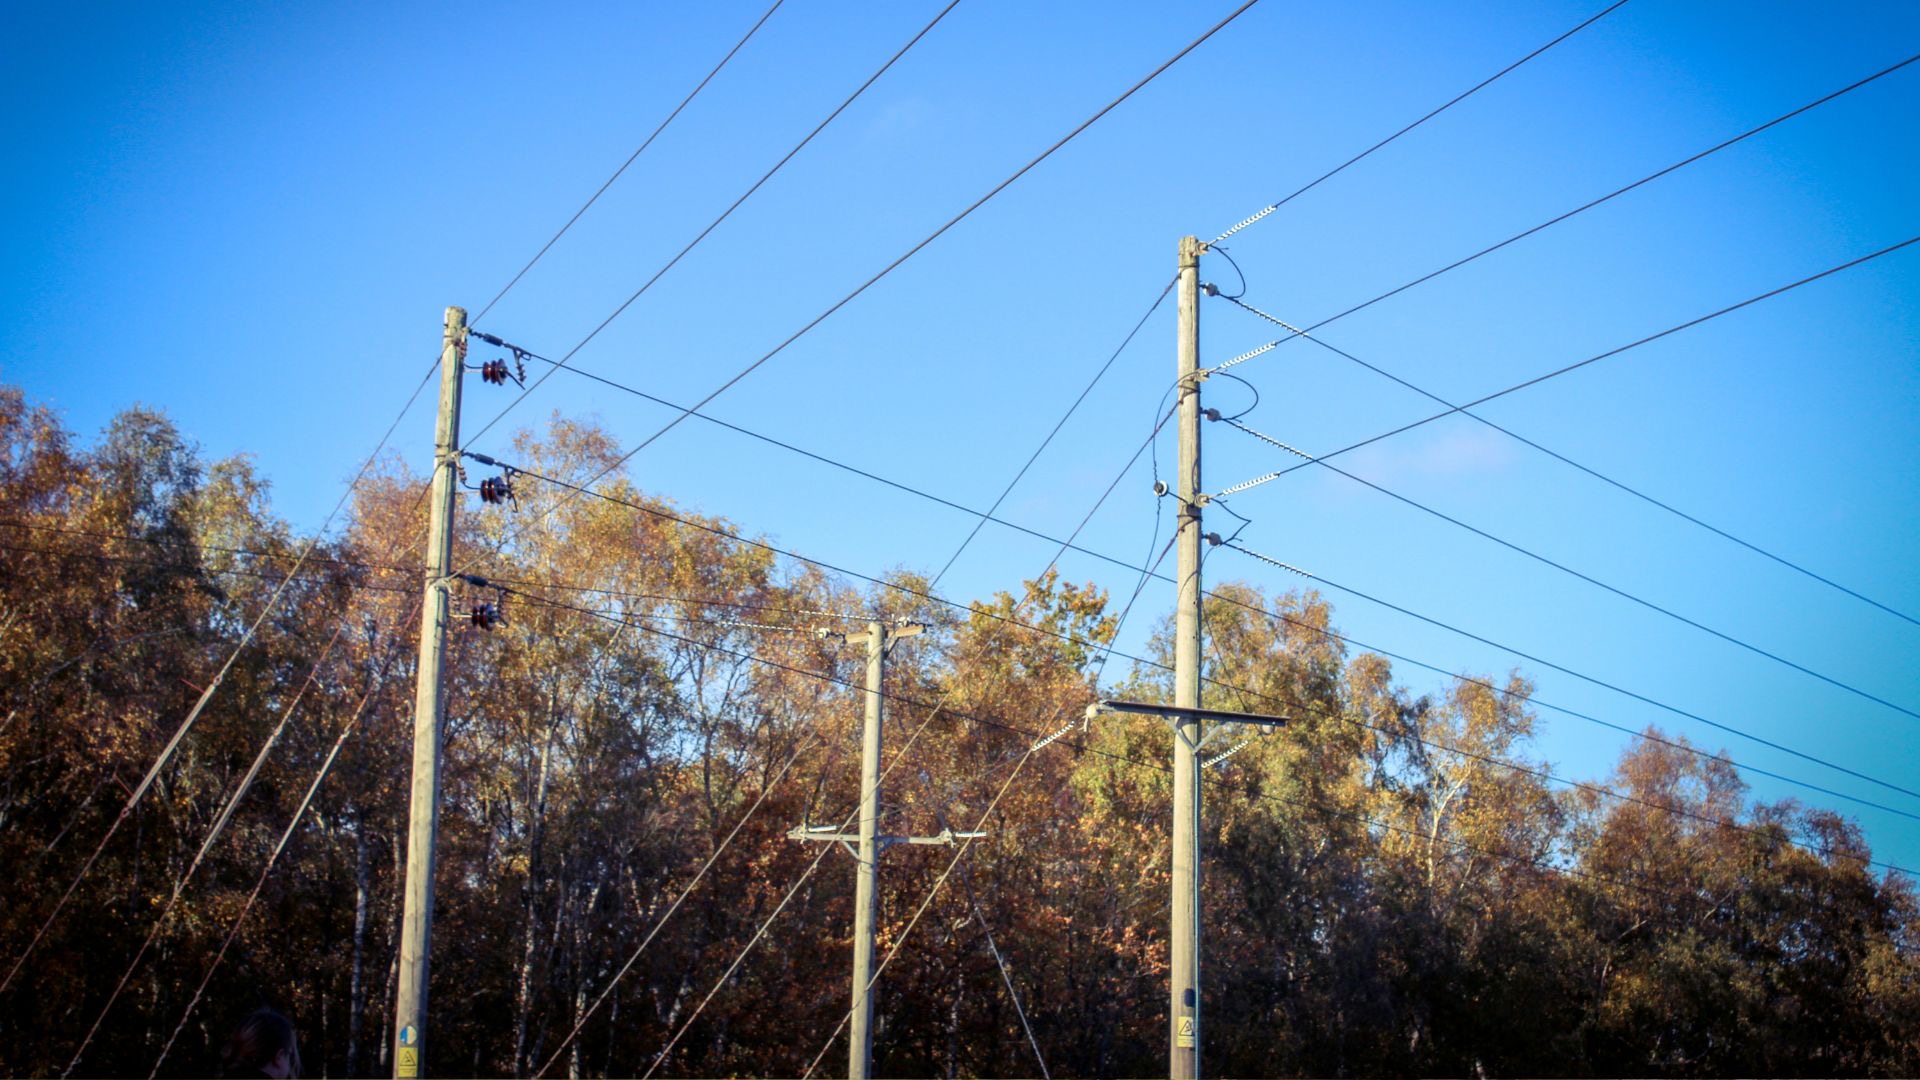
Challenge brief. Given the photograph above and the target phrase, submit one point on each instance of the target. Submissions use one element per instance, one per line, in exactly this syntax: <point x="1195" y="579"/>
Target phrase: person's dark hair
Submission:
<point x="256" y="1042"/>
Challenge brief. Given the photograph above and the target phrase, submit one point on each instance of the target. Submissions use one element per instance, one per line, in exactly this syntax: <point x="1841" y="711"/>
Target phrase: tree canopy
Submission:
<point x="1393" y="883"/>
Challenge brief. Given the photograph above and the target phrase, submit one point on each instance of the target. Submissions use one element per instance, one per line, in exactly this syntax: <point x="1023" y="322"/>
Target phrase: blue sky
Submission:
<point x="253" y="215"/>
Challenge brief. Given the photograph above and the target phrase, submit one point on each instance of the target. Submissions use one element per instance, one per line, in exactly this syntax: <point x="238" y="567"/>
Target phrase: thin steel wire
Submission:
<point x="1476" y="88"/>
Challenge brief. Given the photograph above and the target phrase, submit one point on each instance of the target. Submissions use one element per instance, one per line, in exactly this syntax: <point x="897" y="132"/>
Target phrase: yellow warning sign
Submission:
<point x="409" y="1062"/>
<point x="1183" y="1033"/>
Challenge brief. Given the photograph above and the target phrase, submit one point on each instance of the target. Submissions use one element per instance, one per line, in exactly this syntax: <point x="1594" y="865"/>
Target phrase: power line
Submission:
<point x="193" y="714"/>
<point x="715" y="223"/>
<point x="1105" y="649"/>
<point x="1563" y="568"/>
<point x="1616" y="193"/>
<point x="1149" y="572"/>
<point x="326" y="769"/>
<point x="1463" y="408"/>
<point x="916" y="248"/>
<point x="1354" y="160"/>
<point x="1644" y="736"/>
<point x="164" y="564"/>
<point x="1563" y="669"/>
<point x="675" y="906"/>
<point x="1062" y="422"/>
<point x="272" y="603"/>
<point x="213" y="833"/>
<point x="979" y="720"/>
<point x="933" y="890"/>
<point x="899" y="755"/>
<point x="361" y="564"/>
<point x="631" y="158"/>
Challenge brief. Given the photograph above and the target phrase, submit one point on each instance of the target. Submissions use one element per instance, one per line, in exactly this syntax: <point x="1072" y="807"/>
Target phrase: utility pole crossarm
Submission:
<point x="945" y="837"/>
<point x="1178" y="713"/>
<point x="865" y="846"/>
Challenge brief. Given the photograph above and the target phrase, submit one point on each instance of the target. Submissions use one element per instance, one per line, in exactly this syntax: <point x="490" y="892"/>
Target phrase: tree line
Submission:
<point x="1393" y="883"/>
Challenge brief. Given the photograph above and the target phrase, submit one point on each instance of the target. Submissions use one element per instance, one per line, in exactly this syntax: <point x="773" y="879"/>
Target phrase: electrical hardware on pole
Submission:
<point x="879" y="640"/>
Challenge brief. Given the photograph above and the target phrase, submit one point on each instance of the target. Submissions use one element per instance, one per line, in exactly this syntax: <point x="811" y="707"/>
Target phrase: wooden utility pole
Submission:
<point x="1184" y="937"/>
<point x="879" y="640"/>
<point x="416" y="926"/>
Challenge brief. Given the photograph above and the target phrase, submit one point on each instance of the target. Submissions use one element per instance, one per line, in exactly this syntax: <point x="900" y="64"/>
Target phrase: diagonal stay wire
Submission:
<point x="930" y="238"/>
<point x="1602" y="683"/>
<point x="1006" y="976"/>
<point x="624" y="622"/>
<point x="715" y="223"/>
<point x="926" y="902"/>
<point x="804" y="745"/>
<point x="1068" y="415"/>
<point x="293" y="824"/>
<point x="1562" y="567"/>
<point x="631" y="158"/>
<point x="206" y="695"/>
<point x="1476" y="88"/>
<point x="1152" y="572"/>
<point x="1541" y="863"/>
<point x="900" y="755"/>
<point x="213" y="833"/>
<point x="193" y="714"/>
<point x="1464" y="407"/>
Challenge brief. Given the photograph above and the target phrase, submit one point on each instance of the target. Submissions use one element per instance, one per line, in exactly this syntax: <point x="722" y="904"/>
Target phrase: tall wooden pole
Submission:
<point x="416" y="925"/>
<point x="1184" y="937"/>
<point x="860" y="1039"/>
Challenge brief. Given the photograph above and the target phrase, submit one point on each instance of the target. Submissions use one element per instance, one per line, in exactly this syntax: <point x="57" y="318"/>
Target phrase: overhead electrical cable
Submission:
<point x="899" y="939"/>
<point x="1062" y="422"/>
<point x="1457" y="99"/>
<point x="1541" y="863"/>
<point x="1638" y="735"/>
<point x="1583" y="677"/>
<point x="916" y="248"/>
<point x="1614" y="194"/>
<point x="1123" y="564"/>
<point x="715" y="223"/>
<point x="193" y="714"/>
<point x="1556" y="455"/>
<point x="1560" y="566"/>
<point x="293" y="824"/>
<point x="899" y="755"/>
<point x="1104" y="648"/>
<point x="631" y="158"/>
<point x="213" y="833"/>
<point x="801" y="747"/>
